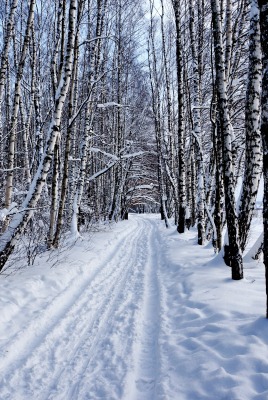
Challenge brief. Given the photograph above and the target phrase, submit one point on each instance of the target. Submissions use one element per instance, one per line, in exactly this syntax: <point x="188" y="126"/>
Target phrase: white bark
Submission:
<point x="16" y="103"/>
<point x="253" y="157"/>
<point x="20" y="220"/>
<point x="234" y="254"/>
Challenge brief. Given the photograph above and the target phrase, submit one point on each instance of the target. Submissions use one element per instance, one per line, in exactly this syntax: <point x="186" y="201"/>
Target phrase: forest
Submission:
<point x="115" y="106"/>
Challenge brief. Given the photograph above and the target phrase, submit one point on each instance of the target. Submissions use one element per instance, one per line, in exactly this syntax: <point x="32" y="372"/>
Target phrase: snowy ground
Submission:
<point x="136" y="312"/>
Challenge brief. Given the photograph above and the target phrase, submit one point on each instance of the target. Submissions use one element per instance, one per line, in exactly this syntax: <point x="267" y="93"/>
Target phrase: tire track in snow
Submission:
<point x="69" y="302"/>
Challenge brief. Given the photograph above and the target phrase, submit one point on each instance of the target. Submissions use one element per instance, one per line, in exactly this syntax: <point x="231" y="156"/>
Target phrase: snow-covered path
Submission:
<point x="99" y="337"/>
<point x="128" y="323"/>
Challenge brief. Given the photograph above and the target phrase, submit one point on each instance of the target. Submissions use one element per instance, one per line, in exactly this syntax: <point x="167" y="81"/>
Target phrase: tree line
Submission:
<point x="112" y="105"/>
<point x="209" y="100"/>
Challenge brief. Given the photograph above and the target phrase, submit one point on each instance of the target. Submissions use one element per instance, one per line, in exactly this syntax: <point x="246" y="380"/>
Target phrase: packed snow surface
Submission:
<point x="134" y="312"/>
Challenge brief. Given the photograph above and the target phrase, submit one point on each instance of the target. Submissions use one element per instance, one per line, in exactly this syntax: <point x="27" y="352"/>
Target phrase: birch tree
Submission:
<point x="20" y="220"/>
<point x="234" y="252"/>
<point x="253" y="156"/>
<point x="4" y="57"/>
<point x="196" y="130"/>
<point x="156" y="104"/>
<point x="15" y="107"/>
<point x="181" y="128"/>
<point x="264" y="131"/>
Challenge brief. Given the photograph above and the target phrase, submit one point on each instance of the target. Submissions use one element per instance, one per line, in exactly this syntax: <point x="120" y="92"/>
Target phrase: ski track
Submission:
<point x="143" y="383"/>
<point x="98" y="339"/>
<point x="131" y="327"/>
<point x="63" y="314"/>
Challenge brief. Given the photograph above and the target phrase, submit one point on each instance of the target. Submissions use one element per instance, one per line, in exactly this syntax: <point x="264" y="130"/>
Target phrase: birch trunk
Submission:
<point x="54" y="195"/>
<point x="264" y="132"/>
<point x="69" y="135"/>
<point x="25" y="122"/>
<point x="181" y="140"/>
<point x="170" y="151"/>
<point x="118" y="132"/>
<point x="89" y="117"/>
<point x="4" y="54"/>
<point x="4" y="63"/>
<point x="20" y="220"/>
<point x="228" y="40"/>
<point x="197" y="131"/>
<point x="253" y="157"/>
<point x="225" y="128"/>
<point x="155" y="85"/>
<point x="59" y="46"/>
<point x="16" y="103"/>
<point x="219" y="187"/>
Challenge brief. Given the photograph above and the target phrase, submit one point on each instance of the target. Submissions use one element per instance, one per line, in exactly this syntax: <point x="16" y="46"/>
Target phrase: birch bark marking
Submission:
<point x="154" y="80"/>
<point x="59" y="40"/>
<point x="196" y="131"/>
<point x="264" y="132"/>
<point x="4" y="65"/>
<point x="228" y="42"/>
<point x="15" y="110"/>
<point x="70" y="133"/>
<point x="170" y="162"/>
<point x="167" y="78"/>
<point x="118" y="118"/>
<point x="253" y="157"/>
<point x="181" y="158"/>
<point x="236" y="262"/>
<point x="54" y="195"/>
<point x="7" y="40"/>
<point x="89" y="117"/>
<point x="20" y="220"/>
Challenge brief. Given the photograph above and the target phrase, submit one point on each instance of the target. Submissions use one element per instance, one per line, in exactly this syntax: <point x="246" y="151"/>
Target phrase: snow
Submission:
<point x="11" y="210"/>
<point x="110" y="104"/>
<point x="134" y="311"/>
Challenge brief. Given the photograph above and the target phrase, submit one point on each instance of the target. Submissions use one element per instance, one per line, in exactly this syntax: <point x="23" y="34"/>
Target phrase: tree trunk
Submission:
<point x="16" y="103"/>
<point x="253" y="157"/>
<point x="7" y="40"/>
<point x="20" y="220"/>
<point x="264" y="132"/>
<point x="4" y="64"/>
<point x="236" y="262"/>
<point x="70" y="133"/>
<point x="89" y="117"/>
<point x="155" y="84"/>
<point x="181" y="140"/>
<point x="54" y="195"/>
<point x="196" y="131"/>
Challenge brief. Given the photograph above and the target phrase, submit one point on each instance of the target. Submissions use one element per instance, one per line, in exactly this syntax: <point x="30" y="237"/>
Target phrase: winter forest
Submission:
<point x="116" y="106"/>
<point x="144" y="123"/>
